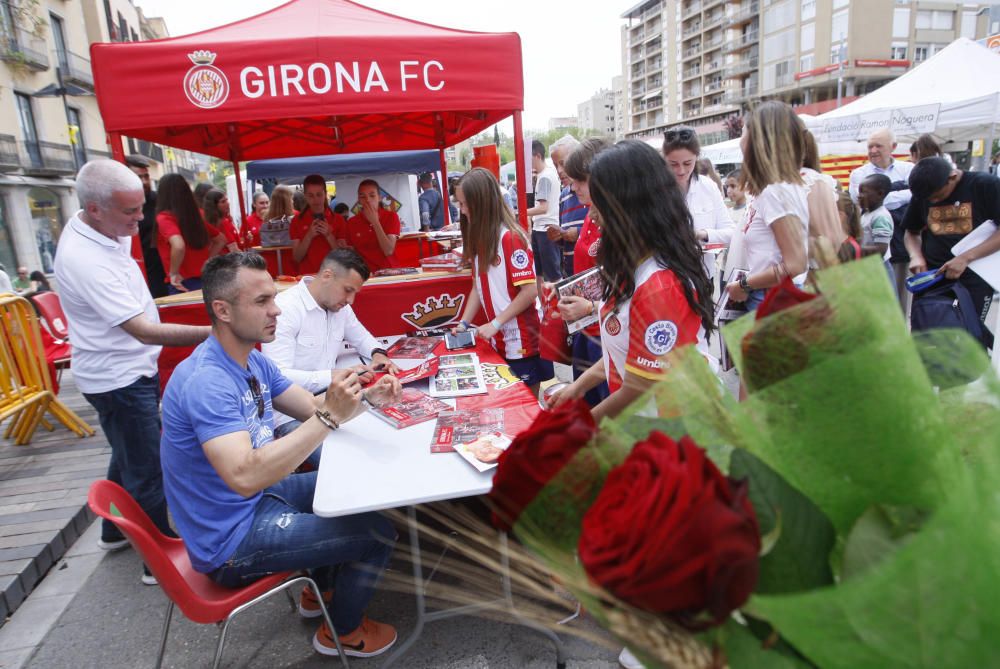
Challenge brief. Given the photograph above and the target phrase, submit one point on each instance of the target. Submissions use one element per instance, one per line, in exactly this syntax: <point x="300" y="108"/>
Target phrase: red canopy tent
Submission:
<point x="312" y="77"/>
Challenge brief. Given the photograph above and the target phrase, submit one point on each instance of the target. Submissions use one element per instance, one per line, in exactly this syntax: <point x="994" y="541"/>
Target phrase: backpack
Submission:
<point x="948" y="306"/>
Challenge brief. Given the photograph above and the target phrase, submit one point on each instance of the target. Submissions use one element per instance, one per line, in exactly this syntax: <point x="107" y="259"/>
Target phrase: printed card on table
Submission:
<point x="458" y="375"/>
<point x="464" y="426"/>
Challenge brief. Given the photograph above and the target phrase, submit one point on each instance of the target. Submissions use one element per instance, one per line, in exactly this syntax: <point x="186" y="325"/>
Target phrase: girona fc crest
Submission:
<point x="205" y="85"/>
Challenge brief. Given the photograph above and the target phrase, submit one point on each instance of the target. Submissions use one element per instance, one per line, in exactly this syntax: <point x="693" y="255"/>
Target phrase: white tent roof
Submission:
<point x="955" y="95"/>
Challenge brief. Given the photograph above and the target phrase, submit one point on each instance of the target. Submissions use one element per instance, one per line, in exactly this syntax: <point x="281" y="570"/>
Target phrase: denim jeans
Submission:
<point x="548" y="256"/>
<point x="347" y="553"/>
<point x="285" y="429"/>
<point x="130" y="418"/>
<point x="586" y="352"/>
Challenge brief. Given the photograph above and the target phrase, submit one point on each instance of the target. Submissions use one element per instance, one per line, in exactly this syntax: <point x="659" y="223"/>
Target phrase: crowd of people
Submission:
<point x="244" y="414"/>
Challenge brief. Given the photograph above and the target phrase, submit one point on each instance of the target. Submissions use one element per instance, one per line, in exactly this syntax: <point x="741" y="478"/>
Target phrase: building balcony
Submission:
<point x="708" y="4"/>
<point x="25" y="50"/>
<point x="712" y="66"/>
<point x="713" y="86"/>
<point x="94" y="154"/>
<point x="76" y="70"/>
<point x="636" y="37"/>
<point x="738" y="95"/>
<point x="693" y="94"/>
<point x="743" y="14"/>
<point x="712" y="44"/>
<point x="741" y="69"/>
<point x="690" y="10"/>
<point x="187" y="174"/>
<point x="655" y="65"/>
<point x="9" y="159"/>
<point x="691" y="73"/>
<point x="784" y="80"/>
<point x="742" y="42"/>
<point x="691" y="52"/>
<point x="150" y="150"/>
<point x="690" y="31"/>
<point x="714" y="21"/>
<point x="47" y="158"/>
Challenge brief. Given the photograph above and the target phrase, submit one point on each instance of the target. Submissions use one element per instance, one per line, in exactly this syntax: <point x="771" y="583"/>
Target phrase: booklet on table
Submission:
<point x="463" y="426"/>
<point x="413" y="407"/>
<point x="458" y="375"/>
<point x="588" y="285"/>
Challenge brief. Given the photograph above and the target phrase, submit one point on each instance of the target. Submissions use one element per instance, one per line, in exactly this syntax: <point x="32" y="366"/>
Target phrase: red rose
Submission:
<point x="669" y="533"/>
<point x="536" y="455"/>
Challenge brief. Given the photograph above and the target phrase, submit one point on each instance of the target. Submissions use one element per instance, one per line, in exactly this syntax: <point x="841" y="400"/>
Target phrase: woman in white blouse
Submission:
<point x="709" y="215"/>
<point x="776" y="232"/>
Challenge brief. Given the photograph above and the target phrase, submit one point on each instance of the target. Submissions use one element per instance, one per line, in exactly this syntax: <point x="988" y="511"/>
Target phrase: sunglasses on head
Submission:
<point x="682" y="134"/>
<point x="258" y="396"/>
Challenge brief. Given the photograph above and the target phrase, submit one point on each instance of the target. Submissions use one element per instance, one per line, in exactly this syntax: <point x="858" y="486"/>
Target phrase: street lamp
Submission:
<point x="61" y="89"/>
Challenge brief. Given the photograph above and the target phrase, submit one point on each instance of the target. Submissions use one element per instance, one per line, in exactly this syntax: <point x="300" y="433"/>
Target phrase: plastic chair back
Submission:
<point x="50" y="308"/>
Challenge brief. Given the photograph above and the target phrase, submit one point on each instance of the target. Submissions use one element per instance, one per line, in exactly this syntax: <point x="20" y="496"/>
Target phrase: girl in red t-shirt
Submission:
<point x="657" y="294"/>
<point x="185" y="242"/>
<point x="250" y="234"/>
<point x="503" y="277"/>
<point x="217" y="216"/>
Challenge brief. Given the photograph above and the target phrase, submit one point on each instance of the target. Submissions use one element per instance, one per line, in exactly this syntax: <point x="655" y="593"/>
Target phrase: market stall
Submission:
<point x="312" y="77"/>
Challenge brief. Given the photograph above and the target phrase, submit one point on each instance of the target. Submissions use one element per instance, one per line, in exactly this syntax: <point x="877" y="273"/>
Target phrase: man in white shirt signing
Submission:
<point x="316" y="320"/>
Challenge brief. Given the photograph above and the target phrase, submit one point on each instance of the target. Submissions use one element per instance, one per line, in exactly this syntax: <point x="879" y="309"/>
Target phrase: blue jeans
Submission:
<point x="548" y="256"/>
<point x="346" y="554"/>
<point x="586" y="352"/>
<point x="130" y="418"/>
<point x="285" y="429"/>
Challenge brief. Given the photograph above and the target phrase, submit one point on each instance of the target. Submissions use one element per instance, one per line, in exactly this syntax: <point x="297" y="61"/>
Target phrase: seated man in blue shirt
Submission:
<point x="239" y="508"/>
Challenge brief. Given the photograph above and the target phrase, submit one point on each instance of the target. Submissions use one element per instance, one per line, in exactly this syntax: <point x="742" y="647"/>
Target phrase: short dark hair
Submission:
<point x="314" y="180"/>
<point x="370" y="182"/>
<point x="537" y="148"/>
<point x="200" y="191"/>
<point x="880" y="182"/>
<point x="735" y="174"/>
<point x="218" y="276"/>
<point x="928" y="176"/>
<point x="346" y="259"/>
<point x="135" y="160"/>
<point x="342" y="208"/>
<point x="425" y="177"/>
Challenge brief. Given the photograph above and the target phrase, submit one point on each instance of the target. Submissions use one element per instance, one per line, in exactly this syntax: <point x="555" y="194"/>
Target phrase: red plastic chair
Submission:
<point x="51" y="310"/>
<point x="198" y="597"/>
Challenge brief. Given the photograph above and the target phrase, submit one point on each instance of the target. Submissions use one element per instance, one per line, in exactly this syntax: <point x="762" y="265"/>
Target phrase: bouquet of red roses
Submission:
<point x="844" y="515"/>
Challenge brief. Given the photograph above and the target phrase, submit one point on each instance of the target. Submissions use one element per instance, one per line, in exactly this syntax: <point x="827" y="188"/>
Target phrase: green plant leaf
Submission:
<point x="931" y="604"/>
<point x="746" y="651"/>
<point x="879" y="533"/>
<point x="800" y="560"/>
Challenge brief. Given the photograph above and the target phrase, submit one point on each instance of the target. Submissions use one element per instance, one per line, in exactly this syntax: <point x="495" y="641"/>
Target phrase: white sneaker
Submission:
<point x="112" y="546"/>
<point x="629" y="661"/>
<point x="147" y="577"/>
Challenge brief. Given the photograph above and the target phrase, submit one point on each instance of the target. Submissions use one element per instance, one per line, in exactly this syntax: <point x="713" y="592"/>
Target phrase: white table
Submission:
<point x="368" y="465"/>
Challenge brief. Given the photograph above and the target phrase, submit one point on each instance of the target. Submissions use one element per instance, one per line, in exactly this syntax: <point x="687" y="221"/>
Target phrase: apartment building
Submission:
<point x="596" y="115"/>
<point x="620" y="102"/>
<point x="701" y="61"/>
<point x="50" y="124"/>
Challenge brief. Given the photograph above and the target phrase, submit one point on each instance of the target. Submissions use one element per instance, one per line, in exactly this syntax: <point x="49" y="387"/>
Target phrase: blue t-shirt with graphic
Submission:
<point x="209" y="395"/>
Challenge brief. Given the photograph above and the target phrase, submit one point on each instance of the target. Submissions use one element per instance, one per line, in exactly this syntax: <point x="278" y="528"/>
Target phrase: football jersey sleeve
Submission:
<point x="298" y="228"/>
<point x="520" y="261"/>
<point x="660" y="320"/>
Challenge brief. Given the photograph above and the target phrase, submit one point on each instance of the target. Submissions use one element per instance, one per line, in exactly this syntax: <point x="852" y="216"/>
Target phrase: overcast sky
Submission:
<point x="569" y="52"/>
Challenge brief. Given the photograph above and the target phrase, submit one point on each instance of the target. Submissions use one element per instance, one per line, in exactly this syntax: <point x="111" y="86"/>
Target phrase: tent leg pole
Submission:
<point x="519" y="160"/>
<point x="117" y="150"/>
<point x="239" y="192"/>
<point x="444" y="185"/>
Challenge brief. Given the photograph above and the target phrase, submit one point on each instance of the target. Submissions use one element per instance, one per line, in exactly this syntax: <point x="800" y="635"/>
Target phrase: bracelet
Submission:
<point x="593" y="307"/>
<point x="466" y="324"/>
<point x="744" y="283"/>
<point x="325" y="418"/>
<point x="496" y="323"/>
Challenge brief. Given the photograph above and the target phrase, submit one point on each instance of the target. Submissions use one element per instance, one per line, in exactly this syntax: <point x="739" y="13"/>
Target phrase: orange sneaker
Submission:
<point x="309" y="605"/>
<point x="370" y="639"/>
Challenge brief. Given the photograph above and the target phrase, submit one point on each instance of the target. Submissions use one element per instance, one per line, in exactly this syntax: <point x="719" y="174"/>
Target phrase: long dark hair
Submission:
<point x="173" y="195"/>
<point x="644" y="214"/>
<point x="488" y="215"/>
<point x="213" y="215"/>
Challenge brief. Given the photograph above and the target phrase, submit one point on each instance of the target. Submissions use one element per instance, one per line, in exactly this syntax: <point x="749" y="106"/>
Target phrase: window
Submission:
<point x="808" y="10"/>
<point x="969" y="25"/>
<point x="837" y="4"/>
<point x="7" y="255"/>
<point x="919" y="54"/>
<point x="59" y="37"/>
<point x="779" y="46"/>
<point x="943" y="20"/>
<point x="924" y="18"/>
<point x="807" y="37"/>
<point x="779" y="15"/>
<point x="783" y="73"/>
<point x="6" y="20"/>
<point x="26" y="117"/>
<point x="901" y="22"/>
<point x="838" y="26"/>
<point x="898" y="51"/>
<point x="122" y="28"/>
<point x="838" y="52"/>
<point x="806" y="63"/>
<point x="46" y="216"/>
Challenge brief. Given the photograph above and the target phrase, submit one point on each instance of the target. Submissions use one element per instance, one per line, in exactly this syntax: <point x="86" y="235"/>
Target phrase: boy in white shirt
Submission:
<point x="876" y="221"/>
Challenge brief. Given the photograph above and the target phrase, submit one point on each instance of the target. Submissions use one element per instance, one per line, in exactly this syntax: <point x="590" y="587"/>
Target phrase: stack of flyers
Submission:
<point x="458" y="375"/>
<point x="484" y="452"/>
<point x="465" y="426"/>
<point x="412" y="408"/>
<point x="588" y="285"/>
<point x="413" y="348"/>
<point x="421" y="371"/>
<point x="444" y="262"/>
